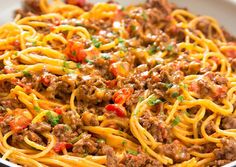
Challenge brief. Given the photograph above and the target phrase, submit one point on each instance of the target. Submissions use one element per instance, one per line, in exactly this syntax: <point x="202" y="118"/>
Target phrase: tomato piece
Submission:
<point x="75" y="51"/>
<point x="45" y="80"/>
<point x="215" y="59"/>
<point x="120" y="69"/>
<point x="122" y="95"/>
<point x="58" y="110"/>
<point x="117" y="109"/>
<point x="194" y="87"/>
<point x="20" y="122"/>
<point x="8" y="70"/>
<point x="111" y="83"/>
<point x="230" y="53"/>
<point x="62" y="145"/>
<point x="79" y="3"/>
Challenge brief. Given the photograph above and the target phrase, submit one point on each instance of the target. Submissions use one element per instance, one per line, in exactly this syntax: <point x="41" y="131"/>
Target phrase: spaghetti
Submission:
<point x="105" y="85"/>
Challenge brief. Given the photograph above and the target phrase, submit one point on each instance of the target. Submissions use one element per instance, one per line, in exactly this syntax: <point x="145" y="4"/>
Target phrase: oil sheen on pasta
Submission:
<point x="95" y="85"/>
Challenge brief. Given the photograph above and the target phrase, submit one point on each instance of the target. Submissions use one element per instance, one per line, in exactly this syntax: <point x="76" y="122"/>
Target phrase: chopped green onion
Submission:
<point x="180" y="98"/>
<point x="96" y="42"/>
<point x="152" y="50"/>
<point x="121" y="40"/>
<point x="89" y="61"/>
<point x="168" y="85"/>
<point x="78" y="65"/>
<point x="175" y="94"/>
<point x="176" y="121"/>
<point x="37" y="108"/>
<point x="124" y="143"/>
<point x="53" y="120"/>
<point x="65" y="64"/>
<point x="153" y="101"/>
<point x="133" y="152"/>
<point x="27" y="74"/>
<point x="140" y="98"/>
<point x="73" y="53"/>
<point x="169" y="47"/>
<point x="101" y="140"/>
<point x="133" y="28"/>
<point x="144" y="15"/>
<point x="105" y="56"/>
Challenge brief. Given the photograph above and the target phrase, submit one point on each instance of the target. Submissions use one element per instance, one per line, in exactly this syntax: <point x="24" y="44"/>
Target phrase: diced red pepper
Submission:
<point x="117" y="109"/>
<point x="120" y="69"/>
<point x="58" y="110"/>
<point x="122" y="95"/>
<point x="75" y="51"/>
<point x="79" y="3"/>
<point x="62" y="145"/>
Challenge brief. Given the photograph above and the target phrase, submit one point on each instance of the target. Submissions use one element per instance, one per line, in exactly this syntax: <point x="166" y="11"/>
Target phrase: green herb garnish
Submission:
<point x="176" y="121"/>
<point x="152" y="50"/>
<point x="121" y="40"/>
<point x="101" y="140"/>
<point x="53" y="120"/>
<point x="180" y="98"/>
<point x="27" y="74"/>
<point x="144" y="15"/>
<point x="140" y="98"/>
<point x="65" y="64"/>
<point x="89" y="61"/>
<point x="133" y="152"/>
<point x="73" y="53"/>
<point x="105" y="56"/>
<point x="78" y="65"/>
<point x="124" y="143"/>
<point x="153" y="101"/>
<point x="36" y="108"/>
<point x="96" y="42"/>
<point x="175" y="94"/>
<point x="169" y="47"/>
<point x="168" y="85"/>
<point x="133" y="28"/>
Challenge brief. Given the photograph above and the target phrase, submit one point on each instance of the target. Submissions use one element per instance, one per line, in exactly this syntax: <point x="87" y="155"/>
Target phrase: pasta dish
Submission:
<point x="93" y="85"/>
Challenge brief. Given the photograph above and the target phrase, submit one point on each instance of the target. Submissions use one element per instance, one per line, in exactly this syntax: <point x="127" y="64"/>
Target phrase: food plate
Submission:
<point x="211" y="7"/>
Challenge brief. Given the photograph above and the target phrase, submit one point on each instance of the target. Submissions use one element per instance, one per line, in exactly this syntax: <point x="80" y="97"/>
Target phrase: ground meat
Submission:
<point x="4" y="124"/>
<point x="6" y="86"/>
<point x="176" y="150"/>
<point x="205" y="148"/>
<point x="60" y="90"/>
<point x="12" y="103"/>
<point x="111" y="156"/>
<point x="72" y="119"/>
<point x="92" y="90"/>
<point x="157" y="127"/>
<point x="210" y="128"/>
<point x="64" y="133"/>
<point x="85" y="145"/>
<point x="233" y="64"/>
<point x="229" y="123"/>
<point x="227" y="151"/>
<point x="140" y="160"/>
<point x="40" y="127"/>
<point x="32" y="6"/>
<point x="162" y="5"/>
<point x="89" y="119"/>
<point x="35" y="138"/>
<point x="211" y="85"/>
